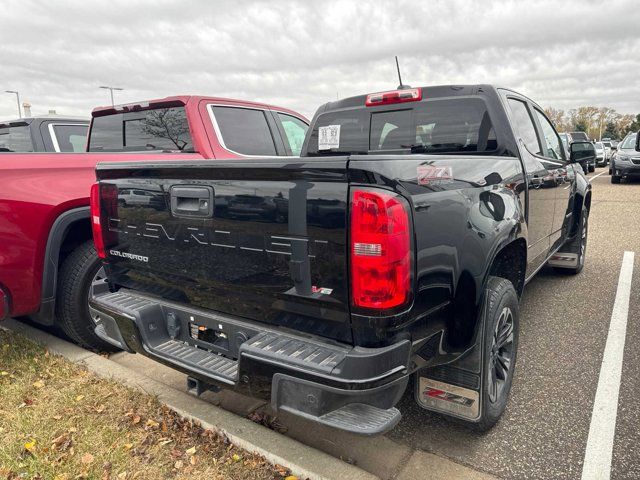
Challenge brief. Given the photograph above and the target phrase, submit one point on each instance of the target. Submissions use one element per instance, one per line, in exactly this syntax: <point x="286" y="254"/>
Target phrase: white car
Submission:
<point x="601" y="154"/>
<point x="608" y="150"/>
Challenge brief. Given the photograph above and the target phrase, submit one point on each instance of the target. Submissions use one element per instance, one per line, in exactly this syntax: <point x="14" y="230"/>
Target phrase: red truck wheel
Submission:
<point x="76" y="276"/>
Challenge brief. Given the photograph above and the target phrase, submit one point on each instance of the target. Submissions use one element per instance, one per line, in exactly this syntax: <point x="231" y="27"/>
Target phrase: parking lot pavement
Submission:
<point x="543" y="435"/>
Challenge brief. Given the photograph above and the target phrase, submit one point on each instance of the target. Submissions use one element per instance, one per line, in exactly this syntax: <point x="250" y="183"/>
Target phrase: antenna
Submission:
<point x="400" y="87"/>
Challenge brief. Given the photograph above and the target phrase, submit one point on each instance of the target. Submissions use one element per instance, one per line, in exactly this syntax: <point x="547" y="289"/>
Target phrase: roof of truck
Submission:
<point x="17" y="122"/>
<point x="434" y="90"/>
<point x="179" y="100"/>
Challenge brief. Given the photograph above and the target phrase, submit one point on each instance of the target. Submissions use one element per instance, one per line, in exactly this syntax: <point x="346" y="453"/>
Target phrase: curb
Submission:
<point x="302" y="460"/>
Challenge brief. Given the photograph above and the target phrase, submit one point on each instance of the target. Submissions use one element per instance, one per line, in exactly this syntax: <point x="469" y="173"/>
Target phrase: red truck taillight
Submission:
<point x="380" y="249"/>
<point x="393" y="96"/>
<point x="106" y="195"/>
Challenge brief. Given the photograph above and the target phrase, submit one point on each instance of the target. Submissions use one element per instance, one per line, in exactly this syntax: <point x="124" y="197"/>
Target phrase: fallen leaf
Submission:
<point x="178" y="465"/>
<point x="192" y="460"/>
<point x="236" y="457"/>
<point x="165" y="442"/>
<point x="152" y="423"/>
<point x="136" y="419"/>
<point x="79" y="397"/>
<point x="38" y="384"/>
<point x="62" y="443"/>
<point x="122" y="474"/>
<point x="99" y="409"/>
<point x="291" y="477"/>
<point x="30" y="446"/>
<point x="128" y="446"/>
<point x="4" y="374"/>
<point x="87" y="458"/>
<point x="191" y="451"/>
<point x="57" y="417"/>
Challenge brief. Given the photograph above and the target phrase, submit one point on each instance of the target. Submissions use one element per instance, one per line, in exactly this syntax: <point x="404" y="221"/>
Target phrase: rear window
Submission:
<point x="244" y="130"/>
<point x="15" y="139"/>
<point x="460" y="125"/>
<point x="71" y="138"/>
<point x="149" y="130"/>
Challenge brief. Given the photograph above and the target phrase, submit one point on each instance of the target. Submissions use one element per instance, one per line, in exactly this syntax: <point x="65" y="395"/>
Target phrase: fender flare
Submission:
<point x="57" y="234"/>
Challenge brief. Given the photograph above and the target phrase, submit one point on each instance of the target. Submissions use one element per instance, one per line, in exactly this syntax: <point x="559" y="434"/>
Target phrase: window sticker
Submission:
<point x="328" y="137"/>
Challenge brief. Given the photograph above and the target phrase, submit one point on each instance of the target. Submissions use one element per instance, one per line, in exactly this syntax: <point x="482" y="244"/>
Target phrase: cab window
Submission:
<point x="551" y="145"/>
<point x="295" y="131"/>
<point x="524" y="125"/>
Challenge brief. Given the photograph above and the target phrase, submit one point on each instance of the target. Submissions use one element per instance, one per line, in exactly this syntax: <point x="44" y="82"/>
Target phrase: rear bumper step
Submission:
<point x="338" y="385"/>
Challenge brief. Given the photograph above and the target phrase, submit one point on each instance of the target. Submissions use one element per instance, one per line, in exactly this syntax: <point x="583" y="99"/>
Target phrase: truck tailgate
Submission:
<point x="264" y="240"/>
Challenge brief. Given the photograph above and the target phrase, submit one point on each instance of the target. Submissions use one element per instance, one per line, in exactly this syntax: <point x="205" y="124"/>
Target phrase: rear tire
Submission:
<point x="592" y="168"/>
<point x="78" y="272"/>
<point x="615" y="179"/>
<point x="502" y="324"/>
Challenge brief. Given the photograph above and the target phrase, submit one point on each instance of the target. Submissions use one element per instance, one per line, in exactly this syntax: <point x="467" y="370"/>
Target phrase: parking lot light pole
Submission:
<point x="111" y="89"/>
<point x="18" y="98"/>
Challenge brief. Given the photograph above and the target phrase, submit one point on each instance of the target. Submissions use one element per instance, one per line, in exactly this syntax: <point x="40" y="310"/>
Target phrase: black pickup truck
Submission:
<point x="394" y="250"/>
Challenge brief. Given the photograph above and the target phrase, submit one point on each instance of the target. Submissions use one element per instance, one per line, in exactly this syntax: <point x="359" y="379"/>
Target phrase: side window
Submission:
<point x="295" y="130"/>
<point x="244" y="130"/>
<point x="551" y="142"/>
<point x="524" y="125"/>
<point x="71" y="138"/>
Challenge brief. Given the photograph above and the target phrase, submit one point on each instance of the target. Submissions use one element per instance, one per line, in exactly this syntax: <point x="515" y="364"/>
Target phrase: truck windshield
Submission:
<point x="458" y="125"/>
<point x="148" y="130"/>
<point x="16" y="139"/>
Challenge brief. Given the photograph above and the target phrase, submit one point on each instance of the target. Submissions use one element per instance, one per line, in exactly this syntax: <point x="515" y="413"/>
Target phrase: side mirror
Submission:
<point x="638" y="142"/>
<point x="582" y="152"/>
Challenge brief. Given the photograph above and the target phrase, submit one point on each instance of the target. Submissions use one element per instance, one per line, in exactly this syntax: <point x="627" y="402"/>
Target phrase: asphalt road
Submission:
<point x="564" y="326"/>
<point x="544" y="432"/>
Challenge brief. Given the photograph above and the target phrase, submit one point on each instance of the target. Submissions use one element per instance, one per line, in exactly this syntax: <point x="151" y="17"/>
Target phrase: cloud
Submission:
<point x="301" y="54"/>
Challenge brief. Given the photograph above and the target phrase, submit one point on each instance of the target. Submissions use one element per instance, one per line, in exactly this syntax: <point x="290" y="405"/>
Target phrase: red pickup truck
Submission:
<point x="48" y="265"/>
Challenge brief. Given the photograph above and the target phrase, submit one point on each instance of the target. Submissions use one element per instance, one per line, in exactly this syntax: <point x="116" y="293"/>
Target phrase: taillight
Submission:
<point x="380" y="249"/>
<point x="102" y="197"/>
<point x="394" y="96"/>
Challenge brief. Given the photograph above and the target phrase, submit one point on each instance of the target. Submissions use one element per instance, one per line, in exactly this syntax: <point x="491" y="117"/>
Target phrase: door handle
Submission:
<point x="536" y="181"/>
<point x="192" y="201"/>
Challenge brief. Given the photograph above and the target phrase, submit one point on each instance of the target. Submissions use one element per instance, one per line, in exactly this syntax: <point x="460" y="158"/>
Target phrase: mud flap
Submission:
<point x="455" y="388"/>
<point x="564" y="260"/>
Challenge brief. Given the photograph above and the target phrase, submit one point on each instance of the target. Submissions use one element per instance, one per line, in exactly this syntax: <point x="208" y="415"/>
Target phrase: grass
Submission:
<point x="60" y="422"/>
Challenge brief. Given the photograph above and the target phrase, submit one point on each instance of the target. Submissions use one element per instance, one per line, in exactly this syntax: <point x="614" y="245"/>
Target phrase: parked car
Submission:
<point x="580" y="137"/>
<point x="608" y="150"/>
<point x="626" y="161"/>
<point x="48" y="263"/>
<point x="601" y="154"/>
<point x="444" y="202"/>
<point x="43" y="134"/>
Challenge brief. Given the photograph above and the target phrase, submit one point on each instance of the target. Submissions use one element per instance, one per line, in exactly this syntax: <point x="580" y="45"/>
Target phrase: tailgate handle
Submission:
<point x="192" y="201"/>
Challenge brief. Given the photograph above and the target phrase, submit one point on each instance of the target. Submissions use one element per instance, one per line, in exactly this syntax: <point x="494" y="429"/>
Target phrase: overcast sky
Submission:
<point x="301" y="54"/>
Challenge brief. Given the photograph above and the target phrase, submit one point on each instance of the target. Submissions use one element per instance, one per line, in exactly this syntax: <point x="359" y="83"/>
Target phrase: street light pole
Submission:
<point x="18" y="98"/>
<point x="111" y="89"/>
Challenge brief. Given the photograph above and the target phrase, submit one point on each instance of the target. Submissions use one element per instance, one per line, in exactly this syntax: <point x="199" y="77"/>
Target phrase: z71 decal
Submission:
<point x="429" y="174"/>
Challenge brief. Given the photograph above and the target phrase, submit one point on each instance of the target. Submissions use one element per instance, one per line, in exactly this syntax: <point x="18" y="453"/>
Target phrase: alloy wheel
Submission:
<point x="500" y="355"/>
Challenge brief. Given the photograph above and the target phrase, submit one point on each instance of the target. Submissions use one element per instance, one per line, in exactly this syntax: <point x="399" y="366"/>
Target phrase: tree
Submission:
<point x="557" y="118"/>
<point x="635" y="125"/>
<point x="169" y="124"/>
<point x="625" y="124"/>
<point x="611" y="130"/>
